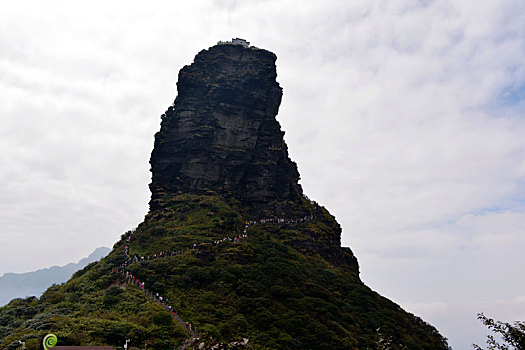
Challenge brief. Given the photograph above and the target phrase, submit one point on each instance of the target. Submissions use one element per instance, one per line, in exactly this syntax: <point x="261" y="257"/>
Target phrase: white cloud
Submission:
<point x="438" y="307"/>
<point x="517" y="300"/>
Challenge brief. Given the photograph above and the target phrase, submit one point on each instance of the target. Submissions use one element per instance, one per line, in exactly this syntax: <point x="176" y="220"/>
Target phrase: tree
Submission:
<point x="513" y="335"/>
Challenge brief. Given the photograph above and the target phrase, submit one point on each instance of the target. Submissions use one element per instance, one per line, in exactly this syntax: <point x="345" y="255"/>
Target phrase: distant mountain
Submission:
<point x="17" y="285"/>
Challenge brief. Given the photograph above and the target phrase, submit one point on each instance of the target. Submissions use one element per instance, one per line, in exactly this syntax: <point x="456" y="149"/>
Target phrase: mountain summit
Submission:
<point x="232" y="254"/>
<point x="221" y="134"/>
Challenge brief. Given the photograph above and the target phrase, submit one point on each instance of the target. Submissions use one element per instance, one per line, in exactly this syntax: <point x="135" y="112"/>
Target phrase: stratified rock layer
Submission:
<point x="221" y="134"/>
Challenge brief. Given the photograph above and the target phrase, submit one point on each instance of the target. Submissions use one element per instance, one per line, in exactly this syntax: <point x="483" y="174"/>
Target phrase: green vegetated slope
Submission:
<point x="262" y="289"/>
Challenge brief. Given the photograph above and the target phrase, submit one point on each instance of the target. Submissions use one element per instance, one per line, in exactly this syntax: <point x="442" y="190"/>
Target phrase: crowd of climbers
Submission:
<point x="281" y="220"/>
<point x="131" y="279"/>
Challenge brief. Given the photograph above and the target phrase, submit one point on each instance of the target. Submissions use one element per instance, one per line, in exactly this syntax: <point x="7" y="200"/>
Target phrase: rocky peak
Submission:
<point x="221" y="134"/>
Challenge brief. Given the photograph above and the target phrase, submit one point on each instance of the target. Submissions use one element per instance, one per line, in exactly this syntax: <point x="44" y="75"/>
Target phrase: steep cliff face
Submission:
<point x="221" y="134"/>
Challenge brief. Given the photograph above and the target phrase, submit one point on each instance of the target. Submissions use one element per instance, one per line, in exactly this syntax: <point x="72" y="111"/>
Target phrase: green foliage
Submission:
<point x="277" y="289"/>
<point x="162" y="319"/>
<point x="512" y="335"/>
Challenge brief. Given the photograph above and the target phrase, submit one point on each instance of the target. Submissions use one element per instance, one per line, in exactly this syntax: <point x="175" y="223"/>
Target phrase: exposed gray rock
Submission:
<point x="221" y="134"/>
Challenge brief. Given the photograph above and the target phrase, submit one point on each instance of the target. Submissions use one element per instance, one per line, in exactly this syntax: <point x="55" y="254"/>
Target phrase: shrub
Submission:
<point x="163" y="319"/>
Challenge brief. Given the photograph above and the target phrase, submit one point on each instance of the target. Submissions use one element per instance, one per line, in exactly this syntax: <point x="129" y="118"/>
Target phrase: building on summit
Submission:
<point x="235" y="41"/>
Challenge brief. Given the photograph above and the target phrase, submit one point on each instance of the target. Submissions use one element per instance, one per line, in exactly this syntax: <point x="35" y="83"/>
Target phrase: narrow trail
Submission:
<point x="129" y="278"/>
<point x="186" y="325"/>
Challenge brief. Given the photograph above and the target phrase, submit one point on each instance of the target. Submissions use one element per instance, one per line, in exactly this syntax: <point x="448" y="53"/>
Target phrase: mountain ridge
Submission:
<point x="13" y="285"/>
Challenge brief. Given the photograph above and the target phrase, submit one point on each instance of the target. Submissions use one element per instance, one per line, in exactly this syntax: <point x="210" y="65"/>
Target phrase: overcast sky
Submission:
<point x="406" y="119"/>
